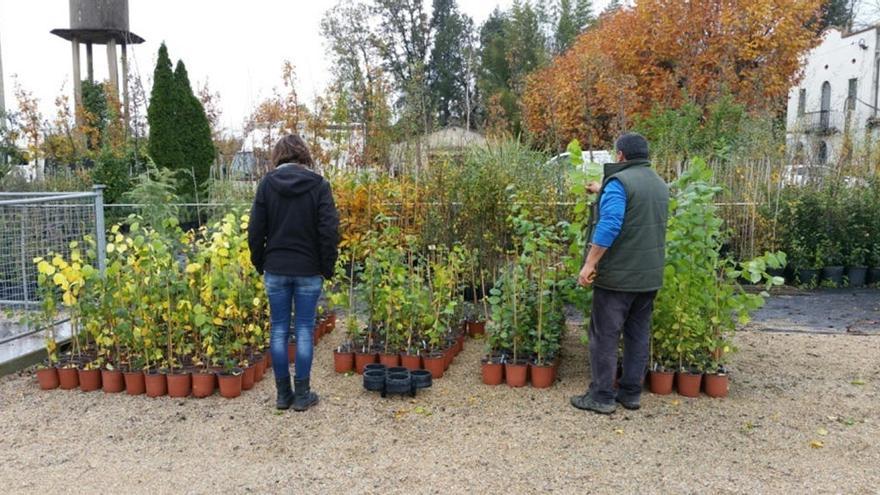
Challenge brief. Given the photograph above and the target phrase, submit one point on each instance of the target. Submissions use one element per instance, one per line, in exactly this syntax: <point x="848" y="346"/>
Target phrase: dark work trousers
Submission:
<point x="612" y="312"/>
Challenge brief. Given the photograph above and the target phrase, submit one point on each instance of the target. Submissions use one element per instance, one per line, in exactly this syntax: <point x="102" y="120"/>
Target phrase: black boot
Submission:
<point x="303" y="397"/>
<point x="285" y="394"/>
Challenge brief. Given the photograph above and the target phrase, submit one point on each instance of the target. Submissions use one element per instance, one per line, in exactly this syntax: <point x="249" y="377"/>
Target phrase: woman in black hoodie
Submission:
<point x="293" y="235"/>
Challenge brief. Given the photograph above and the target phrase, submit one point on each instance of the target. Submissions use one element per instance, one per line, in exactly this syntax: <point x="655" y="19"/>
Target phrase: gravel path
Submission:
<point x="787" y="391"/>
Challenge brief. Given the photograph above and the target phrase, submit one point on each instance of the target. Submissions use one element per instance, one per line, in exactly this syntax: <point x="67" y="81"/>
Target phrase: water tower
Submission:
<point x="100" y="22"/>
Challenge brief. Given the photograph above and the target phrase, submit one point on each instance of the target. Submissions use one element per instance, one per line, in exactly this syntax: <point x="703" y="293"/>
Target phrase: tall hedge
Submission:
<point x="180" y="136"/>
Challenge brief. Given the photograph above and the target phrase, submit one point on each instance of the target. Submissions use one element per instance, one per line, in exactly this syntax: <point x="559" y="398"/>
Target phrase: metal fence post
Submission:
<point x="100" y="231"/>
<point x="24" y="257"/>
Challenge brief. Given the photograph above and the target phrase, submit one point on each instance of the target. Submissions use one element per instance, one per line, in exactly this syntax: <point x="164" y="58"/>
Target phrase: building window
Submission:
<point x="802" y="102"/>
<point x="823" y="153"/>
<point x="851" y="95"/>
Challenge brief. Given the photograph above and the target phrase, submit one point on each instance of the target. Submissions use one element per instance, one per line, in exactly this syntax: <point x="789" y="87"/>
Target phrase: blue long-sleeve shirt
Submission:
<point x="611" y="210"/>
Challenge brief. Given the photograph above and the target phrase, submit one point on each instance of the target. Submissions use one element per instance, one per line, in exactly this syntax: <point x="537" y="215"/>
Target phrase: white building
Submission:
<point x="836" y="96"/>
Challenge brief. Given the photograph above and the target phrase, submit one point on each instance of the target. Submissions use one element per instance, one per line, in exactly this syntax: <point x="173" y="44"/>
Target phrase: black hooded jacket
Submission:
<point x="294" y="225"/>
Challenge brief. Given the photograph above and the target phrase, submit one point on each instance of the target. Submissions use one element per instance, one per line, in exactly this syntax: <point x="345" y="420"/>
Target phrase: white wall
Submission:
<point x="836" y="60"/>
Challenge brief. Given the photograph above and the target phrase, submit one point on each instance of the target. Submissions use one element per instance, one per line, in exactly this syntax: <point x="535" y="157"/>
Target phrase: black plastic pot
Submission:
<point x="375" y="367"/>
<point x="397" y="369"/>
<point x="856" y="275"/>
<point x="421" y="378"/>
<point x="873" y="275"/>
<point x="833" y="274"/>
<point x="807" y="276"/>
<point x="374" y="380"/>
<point x="398" y="383"/>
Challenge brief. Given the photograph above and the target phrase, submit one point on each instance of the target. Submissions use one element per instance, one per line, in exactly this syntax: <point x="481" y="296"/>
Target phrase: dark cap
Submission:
<point x="632" y="145"/>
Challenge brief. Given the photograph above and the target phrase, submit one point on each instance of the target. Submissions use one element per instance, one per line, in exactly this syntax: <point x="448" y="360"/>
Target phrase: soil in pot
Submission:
<point x="112" y="381"/>
<point x="688" y="384"/>
<point x="833" y="274"/>
<point x="435" y="362"/>
<point x="156" y="383"/>
<point x="89" y="380"/>
<point x="716" y="384"/>
<point x="230" y="383"/>
<point x="856" y="275"/>
<point x="179" y="384"/>
<point x="68" y="378"/>
<point x="134" y="382"/>
<point x="343" y="362"/>
<point x="47" y="378"/>
<point x="361" y="359"/>
<point x="411" y="361"/>
<point x="516" y="374"/>
<point x="660" y="382"/>
<point x="475" y="328"/>
<point x="203" y="383"/>
<point x="542" y="376"/>
<point x="389" y="360"/>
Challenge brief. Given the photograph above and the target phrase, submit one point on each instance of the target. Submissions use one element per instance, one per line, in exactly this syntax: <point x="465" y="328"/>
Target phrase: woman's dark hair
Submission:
<point x="291" y="149"/>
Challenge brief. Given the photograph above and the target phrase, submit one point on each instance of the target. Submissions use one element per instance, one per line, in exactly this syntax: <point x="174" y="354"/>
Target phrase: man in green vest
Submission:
<point x="624" y="264"/>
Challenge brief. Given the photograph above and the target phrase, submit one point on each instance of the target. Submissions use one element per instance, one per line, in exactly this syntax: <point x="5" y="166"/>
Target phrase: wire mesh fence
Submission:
<point x="34" y="224"/>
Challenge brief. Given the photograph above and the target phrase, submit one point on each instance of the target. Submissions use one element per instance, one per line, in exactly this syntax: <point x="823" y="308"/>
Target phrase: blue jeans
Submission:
<point x="303" y="293"/>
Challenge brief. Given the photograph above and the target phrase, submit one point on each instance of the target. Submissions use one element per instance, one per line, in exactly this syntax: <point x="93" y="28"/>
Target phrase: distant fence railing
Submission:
<point x="34" y="224"/>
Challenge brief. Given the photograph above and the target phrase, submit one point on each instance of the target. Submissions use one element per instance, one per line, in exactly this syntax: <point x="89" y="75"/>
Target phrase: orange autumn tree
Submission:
<point x="659" y="50"/>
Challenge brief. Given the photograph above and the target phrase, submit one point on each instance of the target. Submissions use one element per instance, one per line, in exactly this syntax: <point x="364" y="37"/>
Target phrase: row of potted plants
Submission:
<point x="527" y="320"/>
<point x="175" y="308"/>
<point x="413" y="306"/>
<point x="702" y="302"/>
<point x="830" y="234"/>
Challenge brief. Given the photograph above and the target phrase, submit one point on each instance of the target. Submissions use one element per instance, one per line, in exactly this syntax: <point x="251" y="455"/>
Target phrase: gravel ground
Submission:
<point x="787" y="391"/>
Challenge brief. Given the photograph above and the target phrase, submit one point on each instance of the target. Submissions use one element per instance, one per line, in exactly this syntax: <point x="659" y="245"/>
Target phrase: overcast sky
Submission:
<point x="238" y="47"/>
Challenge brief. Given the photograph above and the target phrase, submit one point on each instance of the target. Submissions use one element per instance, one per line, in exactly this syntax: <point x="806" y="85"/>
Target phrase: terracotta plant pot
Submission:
<point x="661" y="382"/>
<point x="362" y="359"/>
<point x="89" y="380"/>
<point x="268" y="360"/>
<point x="68" y="378"/>
<point x="716" y="384"/>
<point x="389" y="360"/>
<point x="449" y="354"/>
<point x="411" y="361"/>
<point x="331" y="322"/>
<point x="475" y="328"/>
<point x="493" y="373"/>
<point x="230" y="383"/>
<point x="435" y="362"/>
<point x="688" y="384"/>
<point x="343" y="362"/>
<point x="179" y="384"/>
<point x="516" y="374"/>
<point x="156" y="382"/>
<point x="259" y="368"/>
<point x="247" y="378"/>
<point x="112" y="381"/>
<point x="542" y="375"/>
<point x="47" y="378"/>
<point x="134" y="382"/>
<point x="203" y="383"/>
<point x="291" y="352"/>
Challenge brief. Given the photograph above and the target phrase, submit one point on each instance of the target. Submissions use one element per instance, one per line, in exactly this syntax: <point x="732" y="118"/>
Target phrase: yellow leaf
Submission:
<point x="193" y="267"/>
<point x="816" y="444"/>
<point x="111" y="247"/>
<point x="619" y="431"/>
<point x="59" y="279"/>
